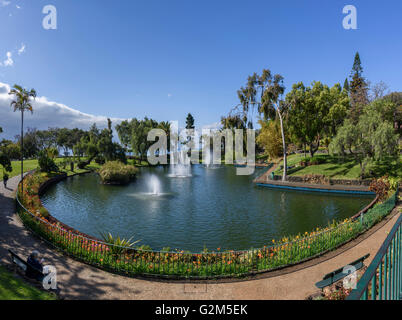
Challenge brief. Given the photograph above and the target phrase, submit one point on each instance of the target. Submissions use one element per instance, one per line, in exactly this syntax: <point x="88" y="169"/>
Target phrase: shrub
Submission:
<point x="82" y="164"/>
<point x="381" y="187"/>
<point x="44" y="213"/>
<point x="312" y="161"/>
<point x="316" y="160"/>
<point x="100" y="160"/>
<point x="116" y="172"/>
<point x="118" y="245"/>
<point x="379" y="211"/>
<point x="47" y="164"/>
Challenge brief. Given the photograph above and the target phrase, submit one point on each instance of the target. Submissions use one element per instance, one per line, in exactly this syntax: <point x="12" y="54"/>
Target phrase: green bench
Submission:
<point x="339" y="274"/>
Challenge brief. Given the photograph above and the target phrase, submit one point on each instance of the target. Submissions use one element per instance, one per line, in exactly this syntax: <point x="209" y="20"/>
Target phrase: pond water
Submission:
<point x="212" y="208"/>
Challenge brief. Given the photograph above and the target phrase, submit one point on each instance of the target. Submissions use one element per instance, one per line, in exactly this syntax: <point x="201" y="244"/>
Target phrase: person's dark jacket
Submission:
<point x="34" y="269"/>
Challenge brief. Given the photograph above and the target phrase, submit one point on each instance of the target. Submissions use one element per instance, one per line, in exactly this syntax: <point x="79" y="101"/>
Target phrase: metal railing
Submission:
<point x="206" y="265"/>
<point x="383" y="278"/>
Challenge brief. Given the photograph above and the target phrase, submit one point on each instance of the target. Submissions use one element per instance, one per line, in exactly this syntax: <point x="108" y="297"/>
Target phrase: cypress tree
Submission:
<point x="358" y="90"/>
<point x="346" y="85"/>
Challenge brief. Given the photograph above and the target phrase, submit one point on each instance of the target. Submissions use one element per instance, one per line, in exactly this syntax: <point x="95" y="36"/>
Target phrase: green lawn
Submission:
<point x="336" y="168"/>
<point x="33" y="164"/>
<point x="28" y="165"/>
<point x="13" y="288"/>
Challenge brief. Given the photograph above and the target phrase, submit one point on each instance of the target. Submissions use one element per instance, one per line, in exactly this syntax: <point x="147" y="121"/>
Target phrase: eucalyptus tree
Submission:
<point x="22" y="102"/>
<point x="264" y="93"/>
<point x="272" y="103"/>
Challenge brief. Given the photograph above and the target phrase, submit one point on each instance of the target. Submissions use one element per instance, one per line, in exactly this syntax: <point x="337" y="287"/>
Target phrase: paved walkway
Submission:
<point x="80" y="281"/>
<point x="265" y="177"/>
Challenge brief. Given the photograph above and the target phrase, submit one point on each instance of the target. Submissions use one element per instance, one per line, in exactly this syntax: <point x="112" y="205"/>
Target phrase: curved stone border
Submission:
<point x="54" y="180"/>
<point x="80" y="281"/>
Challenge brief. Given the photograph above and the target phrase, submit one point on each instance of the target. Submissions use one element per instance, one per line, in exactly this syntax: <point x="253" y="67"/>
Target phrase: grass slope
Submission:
<point x="336" y="168"/>
<point x="13" y="288"/>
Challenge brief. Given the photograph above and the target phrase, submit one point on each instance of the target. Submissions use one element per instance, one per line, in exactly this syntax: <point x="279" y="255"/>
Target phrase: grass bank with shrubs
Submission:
<point x="116" y="172"/>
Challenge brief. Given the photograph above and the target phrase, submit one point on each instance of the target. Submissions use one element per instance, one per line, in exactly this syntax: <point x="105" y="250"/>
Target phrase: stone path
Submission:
<point x="80" y="281"/>
<point x="265" y="177"/>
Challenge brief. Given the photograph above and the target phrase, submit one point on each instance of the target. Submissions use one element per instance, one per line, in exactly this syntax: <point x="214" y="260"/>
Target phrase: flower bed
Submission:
<point x="180" y="264"/>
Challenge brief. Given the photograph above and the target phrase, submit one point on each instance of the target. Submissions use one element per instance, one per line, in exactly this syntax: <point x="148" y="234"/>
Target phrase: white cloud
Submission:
<point x="9" y="61"/>
<point x="17" y="6"/>
<point x="22" y="49"/>
<point x="169" y="95"/>
<point x="4" y="3"/>
<point x="46" y="114"/>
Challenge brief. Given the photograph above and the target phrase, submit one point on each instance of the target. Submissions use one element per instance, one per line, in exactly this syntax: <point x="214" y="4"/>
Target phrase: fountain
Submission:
<point x="183" y="168"/>
<point x="153" y="189"/>
<point x="208" y="159"/>
<point x="154" y="185"/>
<point x="209" y="162"/>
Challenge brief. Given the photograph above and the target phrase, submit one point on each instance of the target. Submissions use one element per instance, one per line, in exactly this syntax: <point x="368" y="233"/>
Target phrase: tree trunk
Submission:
<point x="285" y="160"/>
<point x="22" y="150"/>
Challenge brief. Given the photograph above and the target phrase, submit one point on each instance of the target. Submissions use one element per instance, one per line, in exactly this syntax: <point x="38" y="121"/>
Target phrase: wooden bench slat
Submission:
<point x="338" y="274"/>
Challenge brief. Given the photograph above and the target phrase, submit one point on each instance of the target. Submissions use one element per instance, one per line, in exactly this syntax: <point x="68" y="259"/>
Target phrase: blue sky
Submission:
<point x="129" y="58"/>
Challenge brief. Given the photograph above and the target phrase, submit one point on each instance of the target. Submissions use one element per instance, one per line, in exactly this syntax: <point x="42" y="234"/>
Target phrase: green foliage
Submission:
<point x="313" y="161"/>
<point x="52" y="153"/>
<point x="139" y="135"/>
<point x="358" y="90"/>
<point x="270" y="138"/>
<point x="5" y="162"/>
<point x="118" y="245"/>
<point x="373" y="138"/>
<point x="10" y="149"/>
<point x="315" y="111"/>
<point x="116" y="172"/>
<point x="100" y="160"/>
<point x="376" y="214"/>
<point x="190" y="121"/>
<point x="46" y="164"/>
<point x="14" y="288"/>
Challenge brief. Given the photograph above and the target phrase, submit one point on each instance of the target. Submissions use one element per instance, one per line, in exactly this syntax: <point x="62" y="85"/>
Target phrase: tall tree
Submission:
<point x="190" y="121"/>
<point x="270" y="138"/>
<point x="124" y="132"/>
<point x="372" y="139"/>
<point x="346" y="86"/>
<point x="271" y="103"/>
<point x="358" y="90"/>
<point x="5" y="159"/>
<point x="22" y="103"/>
<point x="316" y="113"/>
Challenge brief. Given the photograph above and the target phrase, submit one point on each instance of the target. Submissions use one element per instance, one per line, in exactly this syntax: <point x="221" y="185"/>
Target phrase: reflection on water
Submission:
<point x="215" y="208"/>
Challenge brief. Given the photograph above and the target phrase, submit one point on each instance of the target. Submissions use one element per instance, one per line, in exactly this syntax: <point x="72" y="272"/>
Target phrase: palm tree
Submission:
<point x="22" y="102"/>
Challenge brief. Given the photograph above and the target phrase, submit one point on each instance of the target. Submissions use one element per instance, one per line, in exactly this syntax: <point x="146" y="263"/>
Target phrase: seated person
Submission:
<point x="35" y="266"/>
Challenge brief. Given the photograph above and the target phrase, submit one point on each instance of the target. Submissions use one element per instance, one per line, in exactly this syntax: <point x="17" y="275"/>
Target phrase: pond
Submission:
<point x="212" y="207"/>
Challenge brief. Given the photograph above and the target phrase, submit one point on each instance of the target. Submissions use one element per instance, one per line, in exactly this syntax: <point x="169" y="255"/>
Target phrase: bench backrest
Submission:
<point x="339" y="274"/>
<point x="21" y="263"/>
<point x="354" y="263"/>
